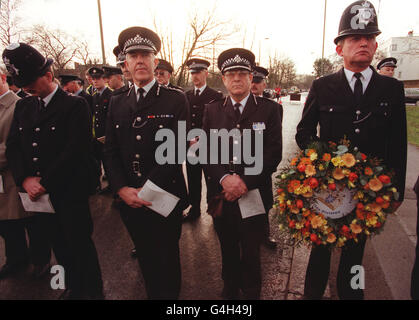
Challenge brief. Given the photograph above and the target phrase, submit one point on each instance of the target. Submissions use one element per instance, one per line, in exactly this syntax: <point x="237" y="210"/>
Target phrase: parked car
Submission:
<point x="412" y="95"/>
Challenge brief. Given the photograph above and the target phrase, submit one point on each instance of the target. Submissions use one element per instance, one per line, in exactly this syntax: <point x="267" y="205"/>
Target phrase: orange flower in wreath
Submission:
<point x="375" y="184"/>
<point x="356" y="228"/>
<point x="368" y="171"/>
<point x="294" y="162"/>
<point x="327" y="157"/>
<point x="348" y="160"/>
<point x="310" y="170"/>
<point x="338" y="174"/>
<point x="331" y="238"/>
<point x="305" y="161"/>
<point x="294" y="184"/>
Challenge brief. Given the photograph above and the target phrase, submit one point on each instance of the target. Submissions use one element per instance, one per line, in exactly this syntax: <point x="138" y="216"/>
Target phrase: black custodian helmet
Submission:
<point x="359" y="18"/>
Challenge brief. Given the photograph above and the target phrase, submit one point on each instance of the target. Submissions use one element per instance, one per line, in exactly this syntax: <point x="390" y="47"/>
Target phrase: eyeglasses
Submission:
<point x="159" y="73"/>
<point x="233" y="74"/>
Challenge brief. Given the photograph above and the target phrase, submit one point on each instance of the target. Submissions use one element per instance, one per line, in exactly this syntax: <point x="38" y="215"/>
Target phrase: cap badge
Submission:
<point x="365" y="15"/>
<point x="138" y="40"/>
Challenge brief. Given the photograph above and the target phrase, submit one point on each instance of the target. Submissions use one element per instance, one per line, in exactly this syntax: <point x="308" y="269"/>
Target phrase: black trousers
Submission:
<point x="414" y="289"/>
<point x="38" y="252"/>
<point x="194" y="173"/>
<point x="13" y="233"/>
<point x="157" y="242"/>
<point x="318" y="269"/>
<point x="240" y="241"/>
<point x="74" y="248"/>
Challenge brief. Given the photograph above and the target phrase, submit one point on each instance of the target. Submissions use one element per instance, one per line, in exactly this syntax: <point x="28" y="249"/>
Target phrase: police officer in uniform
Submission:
<point x="120" y="62"/>
<point x="163" y="73"/>
<point x="198" y="97"/>
<point x="240" y="238"/>
<point x="101" y="99"/>
<point x="259" y="81"/>
<point x="130" y="156"/>
<point x="386" y="66"/>
<point x="116" y="80"/>
<point x="366" y="108"/>
<point x="90" y="88"/>
<point x="72" y="84"/>
<point x="48" y="150"/>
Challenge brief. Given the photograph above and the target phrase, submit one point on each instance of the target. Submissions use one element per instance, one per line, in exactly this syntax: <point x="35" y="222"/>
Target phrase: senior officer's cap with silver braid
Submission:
<point x="139" y="39"/>
<point x="359" y="18"/>
<point x="236" y="58"/>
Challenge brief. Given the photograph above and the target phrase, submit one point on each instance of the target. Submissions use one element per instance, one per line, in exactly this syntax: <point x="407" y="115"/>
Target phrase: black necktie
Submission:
<point x="41" y="107"/>
<point x="140" y="95"/>
<point x="237" y="111"/>
<point x="358" y="91"/>
<point x="197" y="92"/>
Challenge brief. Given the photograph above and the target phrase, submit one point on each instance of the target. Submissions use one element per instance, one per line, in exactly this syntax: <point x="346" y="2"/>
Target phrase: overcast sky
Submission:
<point x="292" y="28"/>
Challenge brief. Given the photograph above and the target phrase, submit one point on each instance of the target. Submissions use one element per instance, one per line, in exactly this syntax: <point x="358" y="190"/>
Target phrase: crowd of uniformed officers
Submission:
<point x="57" y="139"/>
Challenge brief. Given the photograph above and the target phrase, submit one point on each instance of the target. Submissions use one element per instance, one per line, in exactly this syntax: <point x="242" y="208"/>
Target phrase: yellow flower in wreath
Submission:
<point x="337" y="161"/>
<point x="317" y="222"/>
<point x="356" y="228"/>
<point x="375" y="184"/>
<point x="310" y="170"/>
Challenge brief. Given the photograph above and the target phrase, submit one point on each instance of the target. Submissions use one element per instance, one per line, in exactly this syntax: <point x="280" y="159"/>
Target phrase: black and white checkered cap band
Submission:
<point x="236" y="63"/>
<point x="258" y="75"/>
<point x="139" y="43"/>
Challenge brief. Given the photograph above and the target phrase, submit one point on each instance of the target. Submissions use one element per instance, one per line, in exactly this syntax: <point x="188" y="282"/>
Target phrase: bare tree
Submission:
<point x="9" y="31"/>
<point x="282" y="72"/>
<point x="322" y="67"/>
<point x="58" y="45"/>
<point x="204" y="35"/>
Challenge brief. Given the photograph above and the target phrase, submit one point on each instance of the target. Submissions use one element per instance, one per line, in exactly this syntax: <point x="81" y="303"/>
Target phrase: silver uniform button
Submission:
<point x="53" y="128"/>
<point x="38" y="173"/>
<point x="357" y="130"/>
<point x="160" y="126"/>
<point x="117" y="126"/>
<point x="331" y="109"/>
<point x="34" y="144"/>
<point x="138" y="138"/>
<point x="358" y="112"/>
<point x="238" y="126"/>
<point x="37" y="129"/>
<point x="356" y="149"/>
<point x="193" y="115"/>
<point x="20" y="129"/>
<point x="139" y="174"/>
<point x="35" y="159"/>
<point x="137" y="156"/>
<point x="138" y="119"/>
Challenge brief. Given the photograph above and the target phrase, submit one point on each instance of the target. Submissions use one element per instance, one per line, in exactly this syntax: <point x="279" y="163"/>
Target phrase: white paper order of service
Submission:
<point x="162" y="201"/>
<point x="251" y="204"/>
<point x="43" y="204"/>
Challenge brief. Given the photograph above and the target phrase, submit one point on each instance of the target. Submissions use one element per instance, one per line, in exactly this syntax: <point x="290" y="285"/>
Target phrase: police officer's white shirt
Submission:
<point x="365" y="78"/>
<point x="101" y="91"/>
<point x="242" y="103"/>
<point x="200" y="89"/>
<point x="48" y="98"/>
<point x="146" y="88"/>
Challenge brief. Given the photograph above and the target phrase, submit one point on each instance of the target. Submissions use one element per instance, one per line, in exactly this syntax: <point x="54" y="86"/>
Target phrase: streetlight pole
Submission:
<point x="324" y="27"/>
<point x="101" y="33"/>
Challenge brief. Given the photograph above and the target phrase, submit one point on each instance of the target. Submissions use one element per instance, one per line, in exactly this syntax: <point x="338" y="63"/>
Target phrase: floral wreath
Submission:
<point x="338" y="171"/>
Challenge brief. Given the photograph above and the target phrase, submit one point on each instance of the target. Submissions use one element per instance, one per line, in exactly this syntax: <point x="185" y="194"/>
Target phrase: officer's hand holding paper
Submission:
<point x="251" y="204"/>
<point x="43" y="204"/>
<point x="162" y="201"/>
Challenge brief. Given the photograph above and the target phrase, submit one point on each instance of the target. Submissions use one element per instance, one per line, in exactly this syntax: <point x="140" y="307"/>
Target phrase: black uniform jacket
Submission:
<point x="100" y="111"/>
<point x="54" y="144"/>
<point x="380" y="128"/>
<point x="260" y="115"/>
<point x="130" y="145"/>
<point x="197" y="104"/>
